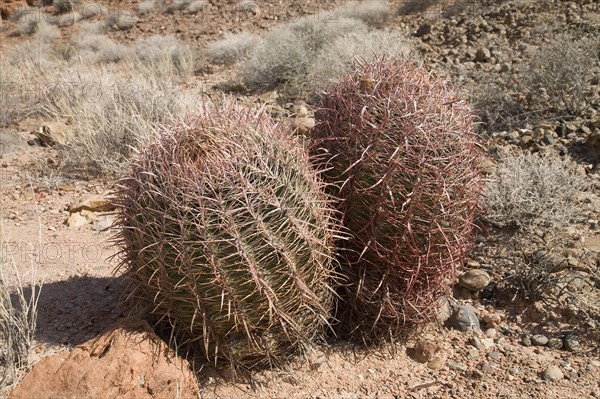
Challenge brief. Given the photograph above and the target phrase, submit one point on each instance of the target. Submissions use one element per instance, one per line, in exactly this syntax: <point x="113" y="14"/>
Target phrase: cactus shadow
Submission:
<point x="73" y="311"/>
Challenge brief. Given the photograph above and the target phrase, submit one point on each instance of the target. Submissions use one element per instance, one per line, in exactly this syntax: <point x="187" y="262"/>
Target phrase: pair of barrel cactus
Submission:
<point x="249" y="244"/>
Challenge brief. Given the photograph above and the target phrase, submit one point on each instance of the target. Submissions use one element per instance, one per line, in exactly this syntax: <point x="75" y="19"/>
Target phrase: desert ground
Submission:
<point x="522" y="319"/>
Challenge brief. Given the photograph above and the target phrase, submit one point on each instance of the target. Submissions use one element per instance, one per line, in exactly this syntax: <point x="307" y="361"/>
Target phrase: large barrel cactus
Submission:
<point x="400" y="148"/>
<point x="226" y="235"/>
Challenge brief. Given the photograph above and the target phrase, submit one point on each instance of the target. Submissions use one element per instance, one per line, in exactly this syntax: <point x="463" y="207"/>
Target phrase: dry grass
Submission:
<point x="159" y="52"/>
<point x="285" y="54"/>
<point x="121" y="21"/>
<point x="374" y="13"/>
<point x="146" y="7"/>
<point x="231" y="49"/>
<point x="532" y="190"/>
<point x="18" y="317"/>
<point x="337" y="58"/>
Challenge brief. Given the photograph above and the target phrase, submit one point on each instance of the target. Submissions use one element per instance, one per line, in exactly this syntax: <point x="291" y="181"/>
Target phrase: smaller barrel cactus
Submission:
<point x="400" y="146"/>
<point x="227" y="236"/>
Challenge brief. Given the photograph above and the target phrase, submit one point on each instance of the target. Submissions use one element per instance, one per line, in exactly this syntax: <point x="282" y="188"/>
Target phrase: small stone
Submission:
<point x="490" y="332"/>
<point x="553" y="373"/>
<point x="457" y="366"/>
<point x="76" y="220"/>
<point x="526" y="341"/>
<point x="477" y="374"/>
<point x="103" y="225"/>
<point x="487" y="342"/>
<point x="464" y="319"/>
<point x="423" y="30"/>
<point x="539" y="340"/>
<point x="474" y="279"/>
<point x="571" y="343"/>
<point x="482" y="55"/>
<point x="555" y="343"/>
<point x="425" y="350"/>
<point x="435" y="364"/>
<point x="495" y="356"/>
<point x="92" y="204"/>
<point x="444" y="310"/>
<point x="473" y="353"/>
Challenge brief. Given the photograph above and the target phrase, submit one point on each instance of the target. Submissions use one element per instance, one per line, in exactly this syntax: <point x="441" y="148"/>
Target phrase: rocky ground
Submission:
<point x="494" y="337"/>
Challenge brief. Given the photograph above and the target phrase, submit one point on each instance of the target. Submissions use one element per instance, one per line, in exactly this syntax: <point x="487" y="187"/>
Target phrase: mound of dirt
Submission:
<point x="127" y="362"/>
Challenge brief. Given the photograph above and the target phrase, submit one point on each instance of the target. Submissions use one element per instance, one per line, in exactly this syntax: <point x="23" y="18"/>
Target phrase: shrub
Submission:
<point x="285" y="53"/>
<point x="337" y="58"/>
<point x="374" y="13"/>
<point x="91" y="10"/>
<point x="226" y="235"/>
<point x="18" y="317"/>
<point x="198" y="5"/>
<point x="562" y="67"/>
<point x="111" y="113"/>
<point x="528" y="190"/>
<point x="67" y="19"/>
<point x="146" y="6"/>
<point x="178" y="5"/>
<point x="231" y="49"/>
<point x="400" y="148"/>
<point x="121" y="21"/>
<point x="63" y="6"/>
<point x="98" y="48"/>
<point x="165" y="54"/>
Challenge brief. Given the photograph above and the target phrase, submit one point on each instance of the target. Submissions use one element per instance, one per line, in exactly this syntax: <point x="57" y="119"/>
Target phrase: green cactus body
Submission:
<point x="227" y="235"/>
<point x="402" y="152"/>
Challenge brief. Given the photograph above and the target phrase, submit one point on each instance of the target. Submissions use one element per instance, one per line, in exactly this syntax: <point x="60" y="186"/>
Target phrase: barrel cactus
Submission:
<point x="400" y="148"/>
<point x="226" y="236"/>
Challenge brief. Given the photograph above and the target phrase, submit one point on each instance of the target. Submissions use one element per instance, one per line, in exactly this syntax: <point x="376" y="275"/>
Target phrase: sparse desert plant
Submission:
<point x="337" y="58"/>
<point x="227" y="237"/>
<point x="121" y="21"/>
<point x="532" y="190"/>
<point x="67" y="19"/>
<point x="178" y="5"/>
<point x="146" y="6"/>
<point x="98" y="48"/>
<point x="562" y="67"/>
<point x="29" y="22"/>
<point x="231" y="49"/>
<point x="285" y="53"/>
<point x="18" y="317"/>
<point x="63" y="6"/>
<point x="91" y="10"/>
<point x="400" y="148"/>
<point x="374" y="13"/>
<point x="197" y="6"/>
<point x="165" y="54"/>
<point x="111" y="113"/>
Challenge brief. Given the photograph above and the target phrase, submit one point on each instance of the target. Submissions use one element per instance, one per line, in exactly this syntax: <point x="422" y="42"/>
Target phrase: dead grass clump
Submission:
<point x="197" y="6"/>
<point x="92" y="10"/>
<point x="111" y="113"/>
<point x="285" y="54"/>
<point x="532" y="190"/>
<point x="146" y="7"/>
<point x="165" y="54"/>
<point x="18" y="317"/>
<point x="98" y="48"/>
<point x="374" y="13"/>
<point x="121" y="21"/>
<point x="561" y="68"/>
<point x="337" y="58"/>
<point x="231" y="49"/>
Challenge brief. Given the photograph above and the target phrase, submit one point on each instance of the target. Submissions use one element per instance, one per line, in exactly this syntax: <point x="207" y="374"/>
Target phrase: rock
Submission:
<point x="553" y="373"/>
<point x="526" y="341"/>
<point x="474" y="279"/>
<point x="491" y="332"/>
<point x="435" y="364"/>
<point x="571" y="343"/>
<point x="555" y="343"/>
<point x="593" y="141"/>
<point x="424" y="350"/>
<point x="464" y="319"/>
<point x="495" y="356"/>
<point x="423" y="30"/>
<point x="103" y="225"/>
<point x="93" y="204"/>
<point x="457" y="366"/>
<point x="76" y="220"/>
<point x="302" y="125"/>
<point x="482" y="55"/>
<point x="539" y="340"/>
<point x="8" y="7"/>
<point x="444" y="310"/>
<point x="129" y="361"/>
